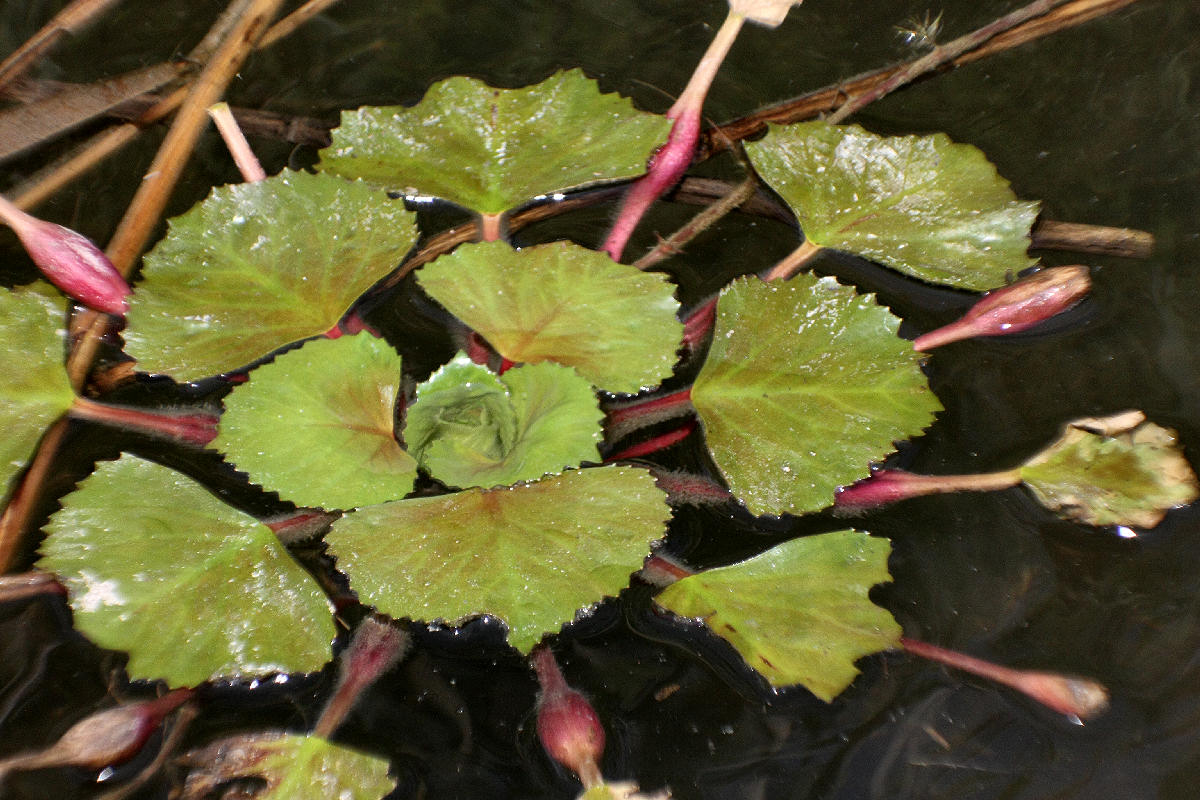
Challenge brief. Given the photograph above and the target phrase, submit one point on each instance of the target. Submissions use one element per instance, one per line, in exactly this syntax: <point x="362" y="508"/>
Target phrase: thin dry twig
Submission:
<point x="827" y="99"/>
<point x="24" y="127"/>
<point x="942" y="54"/>
<point x="151" y="198"/>
<point x="20" y="506"/>
<point x="289" y="24"/>
<point x="734" y="198"/>
<point x="72" y="19"/>
<point x="44" y="183"/>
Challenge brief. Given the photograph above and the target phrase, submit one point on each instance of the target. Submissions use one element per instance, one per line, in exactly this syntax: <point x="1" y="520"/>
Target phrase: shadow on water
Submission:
<point x="1101" y="123"/>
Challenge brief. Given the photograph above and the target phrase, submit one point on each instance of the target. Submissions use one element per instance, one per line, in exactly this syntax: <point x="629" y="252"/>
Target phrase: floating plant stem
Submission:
<point x="567" y="725"/>
<point x="626" y="418"/>
<point x="187" y="425"/>
<point x="795" y="261"/>
<point x="670" y="162"/>
<point x="235" y="140"/>
<point x="69" y="260"/>
<point x="1082" y="698"/>
<point x="892" y="485"/>
<point x="654" y="444"/>
<point x="1016" y="307"/>
<point x="20" y="506"/>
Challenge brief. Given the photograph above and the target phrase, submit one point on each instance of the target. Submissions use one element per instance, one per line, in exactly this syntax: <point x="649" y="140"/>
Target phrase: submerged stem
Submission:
<point x="1080" y="697"/>
<point x="795" y="261"/>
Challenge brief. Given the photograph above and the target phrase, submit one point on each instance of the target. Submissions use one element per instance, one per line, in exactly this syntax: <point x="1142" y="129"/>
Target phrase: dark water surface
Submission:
<point x="1102" y="123"/>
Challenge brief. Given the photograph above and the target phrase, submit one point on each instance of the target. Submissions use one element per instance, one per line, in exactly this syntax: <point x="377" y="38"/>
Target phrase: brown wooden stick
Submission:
<point x="288" y="25"/>
<point x="24" y="127"/>
<point x="45" y="182"/>
<point x="151" y="198"/>
<point x="72" y="19"/>
<point x="1100" y="240"/>
<point x="827" y="99"/>
<point x="20" y="507"/>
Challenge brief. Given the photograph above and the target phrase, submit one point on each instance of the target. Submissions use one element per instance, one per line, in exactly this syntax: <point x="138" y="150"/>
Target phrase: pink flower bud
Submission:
<point x="69" y="260"/>
<point x="111" y="736"/>
<point x="1015" y="308"/>
<point x="567" y="725"/>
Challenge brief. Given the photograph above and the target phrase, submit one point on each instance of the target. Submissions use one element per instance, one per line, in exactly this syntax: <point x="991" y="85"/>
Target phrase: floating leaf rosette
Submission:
<point x="923" y="205"/>
<point x="805" y="384"/>
<point x="491" y="149"/>
<point x="316" y="425"/>
<point x="149" y="556"/>
<point x="257" y="266"/>
<point x="613" y="323"/>
<point x="798" y="613"/>
<point x="533" y="554"/>
<point x="470" y="427"/>
<point x="34" y="390"/>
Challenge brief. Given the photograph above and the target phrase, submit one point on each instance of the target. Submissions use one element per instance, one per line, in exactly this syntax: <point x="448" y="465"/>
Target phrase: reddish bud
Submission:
<point x="108" y="737"/>
<point x="375" y="648"/>
<point x="1015" y="308"/>
<point x="69" y="260"/>
<point x="1081" y="698"/>
<point x="567" y="725"/>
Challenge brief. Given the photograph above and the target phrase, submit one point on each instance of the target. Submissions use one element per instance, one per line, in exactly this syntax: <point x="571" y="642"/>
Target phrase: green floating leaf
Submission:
<point x="290" y="767"/>
<point x="805" y="384"/>
<point x="1099" y="473"/>
<point x="257" y="266"/>
<point x="923" y="205"/>
<point x="311" y="768"/>
<point x="469" y="427"/>
<point x="613" y="323"/>
<point x="316" y="426"/>
<point x="492" y="149"/>
<point x="798" y="613"/>
<point x="193" y="589"/>
<point x="34" y="389"/>
<point x="533" y="554"/>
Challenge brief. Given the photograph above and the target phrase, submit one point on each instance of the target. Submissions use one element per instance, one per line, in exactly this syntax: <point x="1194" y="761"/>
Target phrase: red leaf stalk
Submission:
<point x="892" y="485"/>
<point x="670" y="162"/>
<point x="196" y="428"/>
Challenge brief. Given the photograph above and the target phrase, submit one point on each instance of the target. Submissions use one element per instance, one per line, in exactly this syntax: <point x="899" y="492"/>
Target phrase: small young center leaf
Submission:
<point x="316" y="425"/>
<point x="923" y="205"/>
<point x="532" y="554"/>
<point x="33" y="385"/>
<point x="469" y="427"/>
<point x="1098" y="474"/>
<point x="798" y="613"/>
<point x="613" y="323"/>
<point x="260" y="265"/>
<point x="805" y="384"/>
<point x="193" y="589"/>
<point x="491" y="149"/>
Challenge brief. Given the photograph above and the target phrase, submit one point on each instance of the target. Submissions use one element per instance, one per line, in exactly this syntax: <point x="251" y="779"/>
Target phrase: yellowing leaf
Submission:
<point x="1130" y="473"/>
